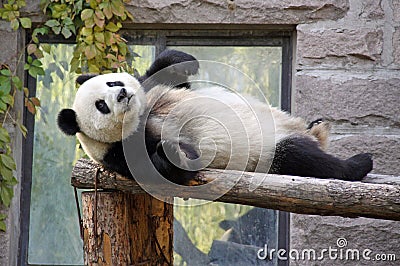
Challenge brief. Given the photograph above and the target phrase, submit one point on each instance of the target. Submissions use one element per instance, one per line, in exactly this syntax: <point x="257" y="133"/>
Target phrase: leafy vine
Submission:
<point x="99" y="49"/>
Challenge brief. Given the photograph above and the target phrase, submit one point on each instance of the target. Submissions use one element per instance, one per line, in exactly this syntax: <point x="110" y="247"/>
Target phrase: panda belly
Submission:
<point x="230" y="133"/>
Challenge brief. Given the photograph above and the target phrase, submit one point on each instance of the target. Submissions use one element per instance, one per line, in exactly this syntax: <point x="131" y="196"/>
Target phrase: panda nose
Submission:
<point x="122" y="95"/>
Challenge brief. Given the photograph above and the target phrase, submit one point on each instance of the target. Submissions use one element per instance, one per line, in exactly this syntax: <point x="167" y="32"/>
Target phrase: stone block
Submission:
<point x="8" y="45"/>
<point x="318" y="232"/>
<point x="338" y="47"/>
<point x="396" y="46"/>
<point x="363" y="98"/>
<point x="245" y="11"/>
<point x="371" y="10"/>
<point x="385" y="150"/>
<point x="396" y="10"/>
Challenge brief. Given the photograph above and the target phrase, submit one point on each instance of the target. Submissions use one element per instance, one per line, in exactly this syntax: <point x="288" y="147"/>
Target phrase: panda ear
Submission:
<point x="177" y="73"/>
<point x="67" y="122"/>
<point x="85" y="77"/>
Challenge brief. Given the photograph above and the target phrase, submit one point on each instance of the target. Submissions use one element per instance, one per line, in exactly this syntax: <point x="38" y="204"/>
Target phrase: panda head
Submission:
<point x="104" y="105"/>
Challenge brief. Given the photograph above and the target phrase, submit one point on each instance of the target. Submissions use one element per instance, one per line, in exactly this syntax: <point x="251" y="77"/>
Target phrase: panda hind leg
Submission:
<point x="300" y="155"/>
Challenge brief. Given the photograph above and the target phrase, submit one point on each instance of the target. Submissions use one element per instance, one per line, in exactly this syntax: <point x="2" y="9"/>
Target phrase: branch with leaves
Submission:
<point x="99" y="49"/>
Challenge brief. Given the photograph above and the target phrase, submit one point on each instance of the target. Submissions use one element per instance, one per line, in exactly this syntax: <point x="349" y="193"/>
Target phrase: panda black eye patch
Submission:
<point x="115" y="83"/>
<point x="102" y="107"/>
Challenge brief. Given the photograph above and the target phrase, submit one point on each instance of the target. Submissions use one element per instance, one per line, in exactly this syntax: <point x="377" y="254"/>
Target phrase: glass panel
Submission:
<point x="262" y="64"/>
<point x="54" y="231"/>
<point x="230" y="234"/>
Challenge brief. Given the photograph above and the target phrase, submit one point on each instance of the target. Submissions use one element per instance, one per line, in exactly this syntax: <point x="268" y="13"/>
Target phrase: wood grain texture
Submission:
<point x="377" y="196"/>
<point x="131" y="229"/>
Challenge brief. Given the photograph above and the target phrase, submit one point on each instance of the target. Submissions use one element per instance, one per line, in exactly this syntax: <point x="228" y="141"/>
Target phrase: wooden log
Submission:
<point x="129" y="229"/>
<point x="376" y="197"/>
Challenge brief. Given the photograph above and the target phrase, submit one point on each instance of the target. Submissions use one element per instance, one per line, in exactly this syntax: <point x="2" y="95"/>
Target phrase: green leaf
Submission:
<point x="117" y="7"/>
<point x="112" y="27"/>
<point x="34" y="71"/>
<point x="6" y="194"/>
<point x="23" y="129"/>
<point x="86" y="31"/>
<point x="3" y="226"/>
<point x="56" y="30"/>
<point x="17" y="82"/>
<point x="8" y="161"/>
<point x="14" y="24"/>
<point x="99" y="36"/>
<point x="4" y="136"/>
<point x="6" y="72"/>
<point x="12" y="181"/>
<point x="87" y="14"/>
<point x="66" y="32"/>
<point x="6" y="173"/>
<point x="99" y="22"/>
<point x="29" y="59"/>
<point x="90" y="51"/>
<point x="8" y="99"/>
<point x="37" y="63"/>
<point x="75" y="63"/>
<point x="3" y="106"/>
<point x="93" y="68"/>
<point x="107" y="11"/>
<point x="52" y="23"/>
<point x="99" y="14"/>
<point x="46" y="47"/>
<point x="26" y="23"/>
<point x="31" y="48"/>
<point x="2" y="216"/>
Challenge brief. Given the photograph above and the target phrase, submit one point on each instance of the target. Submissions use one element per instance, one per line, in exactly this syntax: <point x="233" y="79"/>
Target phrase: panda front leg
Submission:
<point x="177" y="162"/>
<point x="300" y="155"/>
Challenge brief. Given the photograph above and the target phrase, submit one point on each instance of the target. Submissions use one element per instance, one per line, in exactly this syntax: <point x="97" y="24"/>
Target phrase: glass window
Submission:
<point x="210" y="228"/>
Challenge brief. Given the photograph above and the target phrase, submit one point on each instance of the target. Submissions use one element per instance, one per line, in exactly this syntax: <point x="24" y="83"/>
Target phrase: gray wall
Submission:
<point x="346" y="69"/>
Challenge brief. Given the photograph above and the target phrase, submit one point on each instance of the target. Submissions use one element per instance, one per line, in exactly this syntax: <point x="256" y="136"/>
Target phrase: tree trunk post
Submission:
<point x="132" y="229"/>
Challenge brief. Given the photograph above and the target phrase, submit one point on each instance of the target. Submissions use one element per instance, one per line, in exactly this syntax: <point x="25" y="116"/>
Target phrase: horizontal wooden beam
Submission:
<point x="377" y="196"/>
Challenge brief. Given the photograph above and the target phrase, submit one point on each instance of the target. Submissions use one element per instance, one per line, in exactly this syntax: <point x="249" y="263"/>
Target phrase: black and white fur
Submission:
<point x="211" y="126"/>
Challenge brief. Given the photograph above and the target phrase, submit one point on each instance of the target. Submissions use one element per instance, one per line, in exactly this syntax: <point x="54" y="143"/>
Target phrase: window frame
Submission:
<point x="229" y="35"/>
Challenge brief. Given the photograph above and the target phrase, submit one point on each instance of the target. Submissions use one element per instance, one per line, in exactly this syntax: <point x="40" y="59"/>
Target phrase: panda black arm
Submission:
<point x="115" y="160"/>
<point x="178" y="67"/>
<point x="176" y="162"/>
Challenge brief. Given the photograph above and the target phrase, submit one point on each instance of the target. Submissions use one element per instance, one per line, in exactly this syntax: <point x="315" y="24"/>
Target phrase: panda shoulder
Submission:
<point x="162" y="97"/>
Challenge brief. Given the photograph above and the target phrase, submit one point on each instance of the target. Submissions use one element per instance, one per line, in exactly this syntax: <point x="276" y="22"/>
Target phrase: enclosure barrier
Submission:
<point x="133" y="228"/>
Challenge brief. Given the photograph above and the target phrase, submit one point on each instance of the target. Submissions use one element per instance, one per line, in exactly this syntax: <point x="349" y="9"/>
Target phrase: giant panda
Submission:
<point x="176" y="131"/>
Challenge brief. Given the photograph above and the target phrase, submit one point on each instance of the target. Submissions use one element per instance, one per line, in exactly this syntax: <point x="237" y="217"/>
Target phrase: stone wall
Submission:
<point x="346" y="69"/>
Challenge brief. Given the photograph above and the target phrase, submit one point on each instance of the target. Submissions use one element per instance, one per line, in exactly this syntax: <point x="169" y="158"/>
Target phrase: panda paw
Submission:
<point x="358" y="166"/>
<point x="175" y="164"/>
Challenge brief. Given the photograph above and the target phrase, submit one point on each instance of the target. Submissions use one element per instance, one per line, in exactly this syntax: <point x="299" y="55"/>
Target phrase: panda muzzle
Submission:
<point x="122" y="95"/>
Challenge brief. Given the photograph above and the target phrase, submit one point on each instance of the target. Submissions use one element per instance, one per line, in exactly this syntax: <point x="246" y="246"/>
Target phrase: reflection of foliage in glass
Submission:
<point x="54" y="228"/>
<point x="54" y="231"/>
<point x="262" y="64"/>
<point x="202" y="222"/>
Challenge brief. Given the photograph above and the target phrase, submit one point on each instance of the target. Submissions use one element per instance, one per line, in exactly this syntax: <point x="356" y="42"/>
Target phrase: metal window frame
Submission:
<point x="241" y="35"/>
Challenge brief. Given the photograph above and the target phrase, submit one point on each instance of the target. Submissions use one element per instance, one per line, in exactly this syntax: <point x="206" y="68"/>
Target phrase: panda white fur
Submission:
<point x="185" y="130"/>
